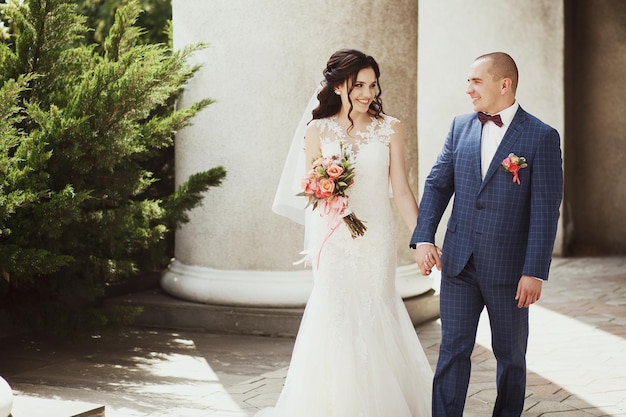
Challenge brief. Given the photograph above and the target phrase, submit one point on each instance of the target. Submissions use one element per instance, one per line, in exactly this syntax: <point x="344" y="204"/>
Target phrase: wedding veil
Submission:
<point x="286" y="203"/>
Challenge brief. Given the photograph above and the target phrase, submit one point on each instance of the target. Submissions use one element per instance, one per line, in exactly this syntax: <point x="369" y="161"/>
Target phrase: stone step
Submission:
<point x="164" y="311"/>
<point x="25" y="406"/>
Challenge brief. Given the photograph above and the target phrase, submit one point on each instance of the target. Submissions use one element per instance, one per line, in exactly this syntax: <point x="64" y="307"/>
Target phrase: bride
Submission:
<point x="356" y="353"/>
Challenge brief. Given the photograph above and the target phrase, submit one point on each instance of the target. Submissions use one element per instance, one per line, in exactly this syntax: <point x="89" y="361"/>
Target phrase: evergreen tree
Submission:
<point x="81" y="134"/>
<point x="100" y="15"/>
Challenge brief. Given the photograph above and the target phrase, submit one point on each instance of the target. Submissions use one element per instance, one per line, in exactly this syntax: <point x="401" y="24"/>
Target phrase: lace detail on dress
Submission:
<point x="379" y="130"/>
<point x="368" y="199"/>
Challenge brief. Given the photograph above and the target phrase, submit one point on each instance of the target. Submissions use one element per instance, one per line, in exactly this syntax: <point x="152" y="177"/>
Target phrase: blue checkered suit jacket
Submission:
<point x="509" y="228"/>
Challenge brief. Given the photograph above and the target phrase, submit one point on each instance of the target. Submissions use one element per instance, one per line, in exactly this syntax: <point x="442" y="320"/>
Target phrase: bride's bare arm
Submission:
<point x="402" y="194"/>
<point x="312" y="146"/>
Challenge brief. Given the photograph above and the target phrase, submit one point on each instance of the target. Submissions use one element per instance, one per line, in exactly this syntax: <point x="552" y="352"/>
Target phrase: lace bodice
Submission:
<point x="369" y="151"/>
<point x="378" y="131"/>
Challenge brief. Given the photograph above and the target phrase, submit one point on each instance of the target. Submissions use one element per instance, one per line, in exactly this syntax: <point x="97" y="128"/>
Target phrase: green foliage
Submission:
<point x="153" y="19"/>
<point x="86" y="143"/>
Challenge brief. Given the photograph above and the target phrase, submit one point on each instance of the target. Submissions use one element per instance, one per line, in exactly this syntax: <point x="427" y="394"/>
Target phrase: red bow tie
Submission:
<point x="484" y="118"/>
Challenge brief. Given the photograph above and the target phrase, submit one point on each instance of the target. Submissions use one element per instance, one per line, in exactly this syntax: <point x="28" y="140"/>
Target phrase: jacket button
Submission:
<point x="480" y="206"/>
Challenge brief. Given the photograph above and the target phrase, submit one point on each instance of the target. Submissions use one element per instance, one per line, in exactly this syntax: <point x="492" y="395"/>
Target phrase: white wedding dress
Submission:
<point x="356" y="353"/>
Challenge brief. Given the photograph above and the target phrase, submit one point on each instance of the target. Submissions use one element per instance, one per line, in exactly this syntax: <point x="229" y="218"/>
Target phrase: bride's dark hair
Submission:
<point x="343" y="66"/>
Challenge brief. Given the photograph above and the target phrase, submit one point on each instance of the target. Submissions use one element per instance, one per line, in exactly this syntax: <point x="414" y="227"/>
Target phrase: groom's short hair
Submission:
<point x="502" y="66"/>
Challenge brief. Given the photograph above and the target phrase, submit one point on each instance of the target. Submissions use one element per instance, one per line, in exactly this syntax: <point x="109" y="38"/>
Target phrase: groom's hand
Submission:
<point x="528" y="291"/>
<point x="427" y="256"/>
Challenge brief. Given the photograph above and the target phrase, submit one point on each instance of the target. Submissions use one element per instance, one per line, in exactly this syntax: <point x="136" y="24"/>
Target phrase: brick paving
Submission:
<point x="576" y="360"/>
<point x="576" y="356"/>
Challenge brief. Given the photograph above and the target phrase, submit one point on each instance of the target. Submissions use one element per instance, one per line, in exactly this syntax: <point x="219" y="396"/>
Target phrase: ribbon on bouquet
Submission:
<point x="336" y="209"/>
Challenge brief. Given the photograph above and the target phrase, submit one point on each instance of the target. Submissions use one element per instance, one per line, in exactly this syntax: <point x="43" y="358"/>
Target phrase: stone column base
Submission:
<point x="163" y="311"/>
<point x="263" y="288"/>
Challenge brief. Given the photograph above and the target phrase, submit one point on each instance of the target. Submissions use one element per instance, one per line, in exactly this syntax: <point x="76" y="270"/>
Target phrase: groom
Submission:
<point x="503" y="167"/>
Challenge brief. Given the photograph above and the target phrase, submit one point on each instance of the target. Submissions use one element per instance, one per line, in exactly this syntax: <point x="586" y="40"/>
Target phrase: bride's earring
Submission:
<point x="337" y="92"/>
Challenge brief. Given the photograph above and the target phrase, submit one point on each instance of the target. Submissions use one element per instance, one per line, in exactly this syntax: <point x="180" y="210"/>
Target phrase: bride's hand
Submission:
<point x="427" y="256"/>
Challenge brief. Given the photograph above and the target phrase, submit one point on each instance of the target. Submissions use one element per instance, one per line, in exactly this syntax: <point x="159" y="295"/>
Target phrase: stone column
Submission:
<point x="263" y="61"/>
<point x="453" y="33"/>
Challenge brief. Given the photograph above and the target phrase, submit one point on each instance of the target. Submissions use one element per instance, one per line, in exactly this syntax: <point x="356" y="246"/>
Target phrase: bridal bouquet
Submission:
<point x="325" y="188"/>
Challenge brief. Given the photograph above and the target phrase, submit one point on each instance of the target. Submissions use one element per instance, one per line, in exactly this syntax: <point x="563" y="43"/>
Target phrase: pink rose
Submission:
<point x="334" y="171"/>
<point x="513" y="168"/>
<point x="308" y="186"/>
<point x="318" y="162"/>
<point x="326" y="188"/>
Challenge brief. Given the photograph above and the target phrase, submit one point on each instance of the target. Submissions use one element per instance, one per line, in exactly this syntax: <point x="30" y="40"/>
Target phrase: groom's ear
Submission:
<point x="505" y="85"/>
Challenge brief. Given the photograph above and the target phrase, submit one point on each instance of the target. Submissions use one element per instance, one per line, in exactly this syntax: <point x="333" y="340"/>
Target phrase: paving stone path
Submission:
<point x="576" y="360"/>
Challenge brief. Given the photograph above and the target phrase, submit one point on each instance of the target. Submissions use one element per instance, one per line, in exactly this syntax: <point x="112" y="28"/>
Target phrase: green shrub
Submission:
<point x="86" y="137"/>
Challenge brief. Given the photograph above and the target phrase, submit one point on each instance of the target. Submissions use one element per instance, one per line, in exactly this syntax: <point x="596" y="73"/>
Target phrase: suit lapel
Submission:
<point x="474" y="149"/>
<point x="511" y="136"/>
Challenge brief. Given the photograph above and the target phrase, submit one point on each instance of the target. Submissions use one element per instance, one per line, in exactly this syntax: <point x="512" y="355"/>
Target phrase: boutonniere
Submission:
<point x="513" y="164"/>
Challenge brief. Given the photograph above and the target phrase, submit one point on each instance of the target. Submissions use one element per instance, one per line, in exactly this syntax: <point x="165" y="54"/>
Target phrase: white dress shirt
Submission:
<point x="492" y="136"/>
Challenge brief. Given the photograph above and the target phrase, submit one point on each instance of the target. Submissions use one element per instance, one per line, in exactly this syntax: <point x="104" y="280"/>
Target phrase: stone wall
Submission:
<point x="595" y="157"/>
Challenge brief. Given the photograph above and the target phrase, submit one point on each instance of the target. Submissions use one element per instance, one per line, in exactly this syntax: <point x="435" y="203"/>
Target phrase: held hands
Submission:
<point x="427" y="256"/>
